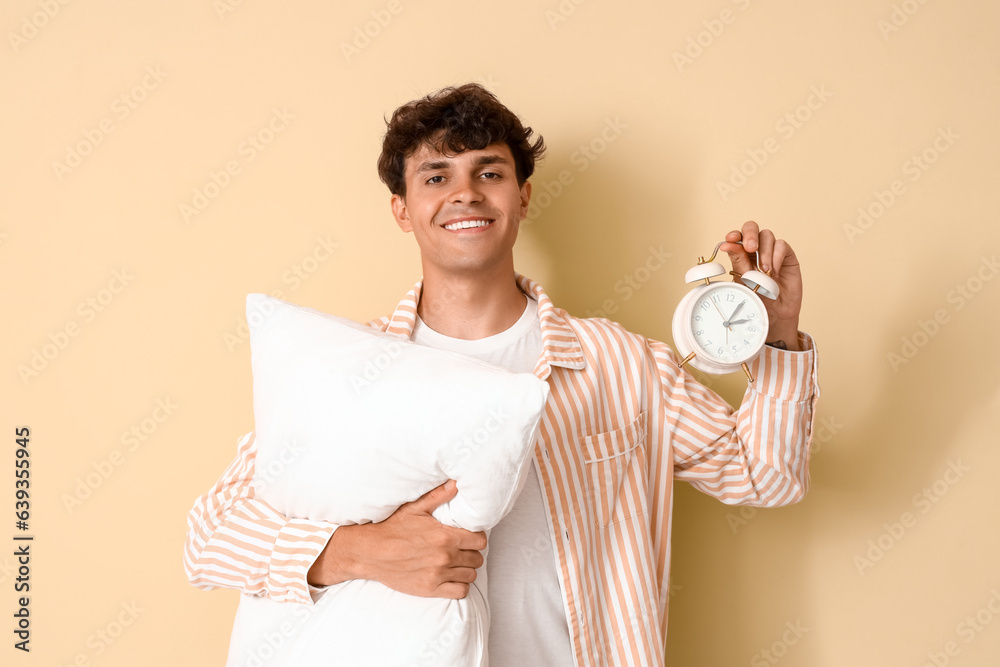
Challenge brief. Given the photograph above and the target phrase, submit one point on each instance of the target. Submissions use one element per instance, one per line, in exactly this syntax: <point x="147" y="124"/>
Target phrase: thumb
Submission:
<point x="434" y="498"/>
<point x="741" y="260"/>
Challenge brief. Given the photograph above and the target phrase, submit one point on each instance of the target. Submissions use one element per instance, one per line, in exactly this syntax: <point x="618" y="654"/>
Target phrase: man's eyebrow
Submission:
<point x="434" y="165"/>
<point x="492" y="159"/>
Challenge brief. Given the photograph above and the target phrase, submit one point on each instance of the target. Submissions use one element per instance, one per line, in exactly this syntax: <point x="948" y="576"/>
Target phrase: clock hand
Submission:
<point x="739" y="321"/>
<point x="725" y="322"/>
<point x="736" y="310"/>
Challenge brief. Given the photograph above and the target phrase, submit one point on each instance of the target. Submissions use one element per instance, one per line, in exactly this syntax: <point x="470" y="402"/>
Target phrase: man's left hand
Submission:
<point x="778" y="257"/>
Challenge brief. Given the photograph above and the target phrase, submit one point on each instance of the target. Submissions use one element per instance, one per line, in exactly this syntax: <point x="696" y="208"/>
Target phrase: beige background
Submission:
<point x="862" y="581"/>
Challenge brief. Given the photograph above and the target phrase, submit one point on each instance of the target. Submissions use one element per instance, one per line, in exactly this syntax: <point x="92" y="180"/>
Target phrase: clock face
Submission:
<point x="728" y="322"/>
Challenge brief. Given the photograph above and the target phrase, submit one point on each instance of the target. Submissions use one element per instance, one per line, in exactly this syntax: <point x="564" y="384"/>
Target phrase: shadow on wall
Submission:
<point x="595" y="229"/>
<point x="899" y="456"/>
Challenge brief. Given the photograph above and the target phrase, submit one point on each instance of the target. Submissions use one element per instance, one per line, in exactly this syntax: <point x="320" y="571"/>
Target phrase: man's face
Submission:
<point x="472" y="187"/>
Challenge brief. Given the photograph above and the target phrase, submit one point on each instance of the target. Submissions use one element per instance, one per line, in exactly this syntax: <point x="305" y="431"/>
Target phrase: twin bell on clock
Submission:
<point x="720" y="327"/>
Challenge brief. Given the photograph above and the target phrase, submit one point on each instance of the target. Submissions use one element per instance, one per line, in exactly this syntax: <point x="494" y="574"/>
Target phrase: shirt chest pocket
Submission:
<point x="615" y="463"/>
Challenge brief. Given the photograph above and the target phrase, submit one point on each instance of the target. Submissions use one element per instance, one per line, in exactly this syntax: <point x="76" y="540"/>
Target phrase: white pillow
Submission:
<point x="350" y="423"/>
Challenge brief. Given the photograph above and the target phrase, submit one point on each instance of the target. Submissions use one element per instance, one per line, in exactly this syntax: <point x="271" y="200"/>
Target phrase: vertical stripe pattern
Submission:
<point x="622" y="422"/>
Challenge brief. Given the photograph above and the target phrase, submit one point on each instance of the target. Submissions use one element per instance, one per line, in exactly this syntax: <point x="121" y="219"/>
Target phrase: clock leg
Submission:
<point x="746" y="369"/>
<point x="686" y="359"/>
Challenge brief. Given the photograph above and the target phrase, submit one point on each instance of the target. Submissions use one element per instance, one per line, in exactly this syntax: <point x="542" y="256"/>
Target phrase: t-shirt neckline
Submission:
<point x="502" y="339"/>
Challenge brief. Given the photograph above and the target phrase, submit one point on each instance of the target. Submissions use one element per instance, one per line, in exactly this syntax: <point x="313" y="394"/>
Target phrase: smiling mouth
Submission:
<point x="468" y="224"/>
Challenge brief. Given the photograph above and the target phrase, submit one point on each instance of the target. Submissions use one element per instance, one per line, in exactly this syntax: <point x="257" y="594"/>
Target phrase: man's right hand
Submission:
<point x="410" y="552"/>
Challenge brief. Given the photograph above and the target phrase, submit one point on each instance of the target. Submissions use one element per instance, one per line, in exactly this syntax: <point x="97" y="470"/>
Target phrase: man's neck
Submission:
<point x="471" y="306"/>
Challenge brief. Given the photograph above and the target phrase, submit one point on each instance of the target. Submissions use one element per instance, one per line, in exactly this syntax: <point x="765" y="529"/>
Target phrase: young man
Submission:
<point x="578" y="571"/>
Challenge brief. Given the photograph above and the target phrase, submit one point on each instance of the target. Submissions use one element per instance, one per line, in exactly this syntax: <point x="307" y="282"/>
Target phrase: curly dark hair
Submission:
<point x="453" y="120"/>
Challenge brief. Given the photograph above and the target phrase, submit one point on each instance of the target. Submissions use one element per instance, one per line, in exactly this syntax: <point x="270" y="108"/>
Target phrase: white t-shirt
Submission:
<point x="528" y="626"/>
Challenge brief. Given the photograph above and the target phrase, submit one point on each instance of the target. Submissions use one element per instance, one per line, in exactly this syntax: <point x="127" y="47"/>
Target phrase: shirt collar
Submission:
<point x="560" y="344"/>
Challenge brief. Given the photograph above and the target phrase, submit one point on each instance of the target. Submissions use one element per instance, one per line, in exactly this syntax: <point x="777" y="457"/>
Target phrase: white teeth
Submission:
<point x="466" y="224"/>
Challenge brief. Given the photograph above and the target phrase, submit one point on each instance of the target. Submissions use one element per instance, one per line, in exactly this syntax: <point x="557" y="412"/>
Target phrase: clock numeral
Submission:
<point x="752" y="329"/>
<point x="730" y="297"/>
<point x="697" y="318"/>
<point x="722" y="350"/>
<point x="704" y="305"/>
<point x="699" y="332"/>
<point x="715" y="298"/>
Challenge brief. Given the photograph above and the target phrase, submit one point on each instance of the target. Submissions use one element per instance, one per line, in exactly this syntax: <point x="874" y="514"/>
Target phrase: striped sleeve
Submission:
<point x="756" y="455"/>
<point x="237" y="541"/>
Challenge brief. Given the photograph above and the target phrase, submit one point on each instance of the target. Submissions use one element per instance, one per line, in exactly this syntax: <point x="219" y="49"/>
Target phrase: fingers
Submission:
<point x="460" y="567"/>
<point x="741" y="260"/>
<point x="759" y="248"/>
<point x="469" y="541"/>
<point x="467" y="560"/>
<point x="774" y="254"/>
<point x="783" y="256"/>
<point x="766" y="250"/>
<point x="451" y="591"/>
<point x="437" y="496"/>
<point x="459" y="581"/>
<point x="741" y="256"/>
<point x="750" y="232"/>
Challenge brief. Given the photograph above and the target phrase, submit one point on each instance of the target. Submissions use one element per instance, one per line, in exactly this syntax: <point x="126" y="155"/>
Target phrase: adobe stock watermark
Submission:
<point x="793" y="634"/>
<point x="823" y="434"/>
<point x="32" y="24"/>
<point x="640" y="621"/>
<point x="786" y="127"/>
<point x="121" y="108"/>
<point x="374" y="367"/>
<point x="271" y="641"/>
<point x="293" y="278"/>
<point x="922" y="502"/>
<point x="265" y="475"/>
<point x="40" y="358"/>
<point x="105" y="636"/>
<point x="135" y="437"/>
<point x="224" y="7"/>
<point x="967" y="630"/>
<point x="541" y="544"/>
<point x="441" y="645"/>
<point x="958" y="296"/>
<point x="633" y="281"/>
<point x="7" y="570"/>
<point x="561" y="12"/>
<point x="371" y="29"/>
<point x="247" y="151"/>
<point x="487" y="81"/>
<point x="698" y="43"/>
<point x="898" y="17"/>
<point x="584" y="156"/>
<point x="472" y="442"/>
<point x="914" y="167"/>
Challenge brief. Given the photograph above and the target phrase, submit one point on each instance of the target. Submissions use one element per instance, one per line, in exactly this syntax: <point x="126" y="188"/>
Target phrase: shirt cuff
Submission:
<point x="786" y="374"/>
<point x="298" y="545"/>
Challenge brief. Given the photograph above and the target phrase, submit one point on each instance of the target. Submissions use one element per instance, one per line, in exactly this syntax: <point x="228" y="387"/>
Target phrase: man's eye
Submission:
<point x="491" y="174"/>
<point x="434" y="179"/>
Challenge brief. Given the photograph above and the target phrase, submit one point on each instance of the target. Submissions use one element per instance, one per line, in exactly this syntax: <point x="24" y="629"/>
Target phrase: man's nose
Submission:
<point x="466" y="189"/>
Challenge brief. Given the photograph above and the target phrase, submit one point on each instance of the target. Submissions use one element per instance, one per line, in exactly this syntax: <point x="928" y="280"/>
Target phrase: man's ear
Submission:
<point x="525" y="199"/>
<point x="399" y="211"/>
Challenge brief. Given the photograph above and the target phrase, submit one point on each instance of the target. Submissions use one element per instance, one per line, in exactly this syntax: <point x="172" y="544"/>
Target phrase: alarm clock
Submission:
<point x="720" y="327"/>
